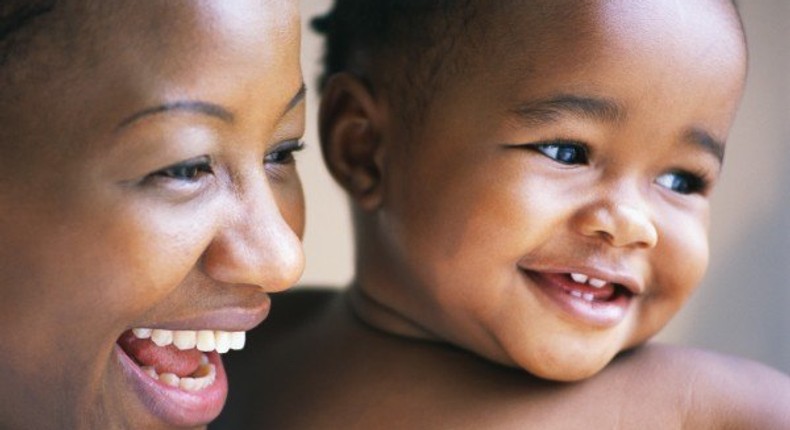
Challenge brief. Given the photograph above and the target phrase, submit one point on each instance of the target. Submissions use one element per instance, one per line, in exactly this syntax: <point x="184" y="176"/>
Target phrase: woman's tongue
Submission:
<point x="167" y="359"/>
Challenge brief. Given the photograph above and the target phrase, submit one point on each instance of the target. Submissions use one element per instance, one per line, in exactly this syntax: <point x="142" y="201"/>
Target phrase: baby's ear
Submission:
<point x="350" y="133"/>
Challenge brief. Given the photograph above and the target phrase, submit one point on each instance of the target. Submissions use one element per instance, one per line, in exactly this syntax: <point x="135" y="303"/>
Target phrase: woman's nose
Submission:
<point x="255" y="245"/>
<point x="620" y="222"/>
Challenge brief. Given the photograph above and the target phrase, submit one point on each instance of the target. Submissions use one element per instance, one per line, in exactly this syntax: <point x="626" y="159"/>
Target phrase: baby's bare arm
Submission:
<point x="707" y="390"/>
<point x="738" y="393"/>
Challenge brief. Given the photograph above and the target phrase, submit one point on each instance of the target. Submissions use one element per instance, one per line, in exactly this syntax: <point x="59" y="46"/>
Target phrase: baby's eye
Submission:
<point x="284" y="154"/>
<point x="564" y="152"/>
<point x="682" y="182"/>
<point x="189" y="171"/>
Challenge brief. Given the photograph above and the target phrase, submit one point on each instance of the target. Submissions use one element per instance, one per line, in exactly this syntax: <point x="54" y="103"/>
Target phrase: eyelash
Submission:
<point x="189" y="171"/>
<point x="569" y="153"/>
<point x="284" y="153"/>
<point x="560" y="151"/>
<point x="695" y="183"/>
<point x="278" y="162"/>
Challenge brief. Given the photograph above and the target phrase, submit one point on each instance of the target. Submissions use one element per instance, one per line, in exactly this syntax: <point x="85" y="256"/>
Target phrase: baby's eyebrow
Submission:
<point x="543" y="111"/>
<point x="705" y="141"/>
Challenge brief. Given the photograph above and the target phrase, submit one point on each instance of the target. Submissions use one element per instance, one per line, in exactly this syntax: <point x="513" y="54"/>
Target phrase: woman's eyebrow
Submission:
<point x="196" y="106"/>
<point x="552" y="109"/>
<point x="19" y="18"/>
<point x="201" y="107"/>
<point x="297" y="98"/>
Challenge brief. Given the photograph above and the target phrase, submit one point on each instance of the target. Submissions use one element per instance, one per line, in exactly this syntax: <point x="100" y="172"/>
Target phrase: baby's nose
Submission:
<point x="621" y="224"/>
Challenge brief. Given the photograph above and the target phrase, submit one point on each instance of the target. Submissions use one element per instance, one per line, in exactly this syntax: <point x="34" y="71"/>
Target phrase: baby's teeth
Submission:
<point x="206" y="341"/>
<point x="597" y="283"/>
<point x="237" y="339"/>
<point x="575" y="293"/>
<point x="162" y="337"/>
<point x="588" y="297"/>
<point x="222" y="340"/>
<point x="142" y="333"/>
<point x="184" y="339"/>
<point x="579" y="278"/>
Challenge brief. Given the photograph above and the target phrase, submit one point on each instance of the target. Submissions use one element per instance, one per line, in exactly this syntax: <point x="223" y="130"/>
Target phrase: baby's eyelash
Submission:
<point x="563" y="151"/>
<point x="686" y="182"/>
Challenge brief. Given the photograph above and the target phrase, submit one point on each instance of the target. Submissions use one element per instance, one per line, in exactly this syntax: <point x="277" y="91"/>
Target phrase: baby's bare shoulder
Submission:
<point x="712" y="390"/>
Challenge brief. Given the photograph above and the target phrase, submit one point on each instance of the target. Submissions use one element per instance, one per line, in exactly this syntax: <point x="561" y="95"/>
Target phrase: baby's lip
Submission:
<point x="632" y="283"/>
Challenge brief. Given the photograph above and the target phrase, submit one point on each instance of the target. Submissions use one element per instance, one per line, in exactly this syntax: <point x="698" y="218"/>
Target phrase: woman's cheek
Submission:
<point x="156" y="249"/>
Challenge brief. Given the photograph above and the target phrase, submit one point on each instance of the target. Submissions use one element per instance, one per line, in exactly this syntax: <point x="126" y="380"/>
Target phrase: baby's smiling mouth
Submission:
<point x="592" y="297"/>
<point x="177" y="358"/>
<point x="592" y="289"/>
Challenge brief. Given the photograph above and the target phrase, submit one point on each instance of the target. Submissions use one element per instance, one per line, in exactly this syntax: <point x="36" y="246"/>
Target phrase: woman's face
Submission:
<point x="146" y="182"/>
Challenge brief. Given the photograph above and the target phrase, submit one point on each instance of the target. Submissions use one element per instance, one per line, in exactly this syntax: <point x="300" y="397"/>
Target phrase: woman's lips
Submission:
<point x="176" y="372"/>
<point x="589" y="301"/>
<point x="175" y="405"/>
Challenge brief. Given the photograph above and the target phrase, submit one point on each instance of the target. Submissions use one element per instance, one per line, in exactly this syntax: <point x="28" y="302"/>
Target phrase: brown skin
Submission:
<point x="463" y="206"/>
<point x="440" y="329"/>
<point x="98" y="236"/>
<point x="314" y="365"/>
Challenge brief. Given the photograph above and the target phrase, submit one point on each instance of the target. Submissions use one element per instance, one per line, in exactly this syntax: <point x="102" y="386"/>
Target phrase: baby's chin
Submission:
<point x="563" y="366"/>
<point x="565" y="373"/>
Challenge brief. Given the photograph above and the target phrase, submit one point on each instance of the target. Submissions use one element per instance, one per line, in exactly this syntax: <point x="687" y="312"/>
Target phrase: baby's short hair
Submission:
<point x="405" y="46"/>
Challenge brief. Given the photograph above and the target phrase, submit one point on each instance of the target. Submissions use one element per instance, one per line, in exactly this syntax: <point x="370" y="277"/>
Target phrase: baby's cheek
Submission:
<point x="677" y="267"/>
<point x="682" y="258"/>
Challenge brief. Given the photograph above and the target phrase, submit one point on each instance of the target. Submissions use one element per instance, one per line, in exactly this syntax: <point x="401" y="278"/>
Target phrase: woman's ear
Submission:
<point x="350" y="134"/>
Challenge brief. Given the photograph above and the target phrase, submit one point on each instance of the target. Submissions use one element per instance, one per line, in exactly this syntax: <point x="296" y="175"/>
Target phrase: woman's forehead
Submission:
<point x="57" y="33"/>
<point x="126" y="55"/>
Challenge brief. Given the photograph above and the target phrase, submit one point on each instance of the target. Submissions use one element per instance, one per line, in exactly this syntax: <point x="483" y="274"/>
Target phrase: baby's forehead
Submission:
<point x="560" y="20"/>
<point x="535" y="37"/>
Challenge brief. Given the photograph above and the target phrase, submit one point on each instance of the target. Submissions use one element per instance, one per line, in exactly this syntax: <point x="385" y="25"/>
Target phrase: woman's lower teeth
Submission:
<point x="203" y="377"/>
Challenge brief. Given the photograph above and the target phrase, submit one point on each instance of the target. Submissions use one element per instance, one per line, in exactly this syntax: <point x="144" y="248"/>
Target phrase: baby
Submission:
<point x="530" y="184"/>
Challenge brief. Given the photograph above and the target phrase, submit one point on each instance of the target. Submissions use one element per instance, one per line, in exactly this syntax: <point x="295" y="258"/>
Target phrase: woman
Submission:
<point x="148" y="203"/>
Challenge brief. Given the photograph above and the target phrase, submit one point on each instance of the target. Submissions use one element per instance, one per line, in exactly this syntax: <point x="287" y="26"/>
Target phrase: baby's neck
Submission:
<point x="376" y="314"/>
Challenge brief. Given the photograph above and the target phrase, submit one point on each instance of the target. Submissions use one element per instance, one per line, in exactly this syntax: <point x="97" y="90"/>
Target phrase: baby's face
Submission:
<point x="552" y="210"/>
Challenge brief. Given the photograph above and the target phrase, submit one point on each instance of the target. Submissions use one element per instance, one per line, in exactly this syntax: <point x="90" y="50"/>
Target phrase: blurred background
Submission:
<point x="743" y="306"/>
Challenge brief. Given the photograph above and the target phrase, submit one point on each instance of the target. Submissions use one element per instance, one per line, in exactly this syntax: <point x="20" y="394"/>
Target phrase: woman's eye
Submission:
<point x="284" y="154"/>
<point x="682" y="182"/>
<point x="565" y="153"/>
<point x="188" y="171"/>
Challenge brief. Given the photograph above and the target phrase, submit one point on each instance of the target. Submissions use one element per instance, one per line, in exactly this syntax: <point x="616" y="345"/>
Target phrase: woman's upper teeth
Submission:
<point x="584" y="279"/>
<point x="203" y="340"/>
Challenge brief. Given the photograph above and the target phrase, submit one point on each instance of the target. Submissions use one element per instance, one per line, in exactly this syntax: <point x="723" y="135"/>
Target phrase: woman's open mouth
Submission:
<point x="178" y="374"/>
